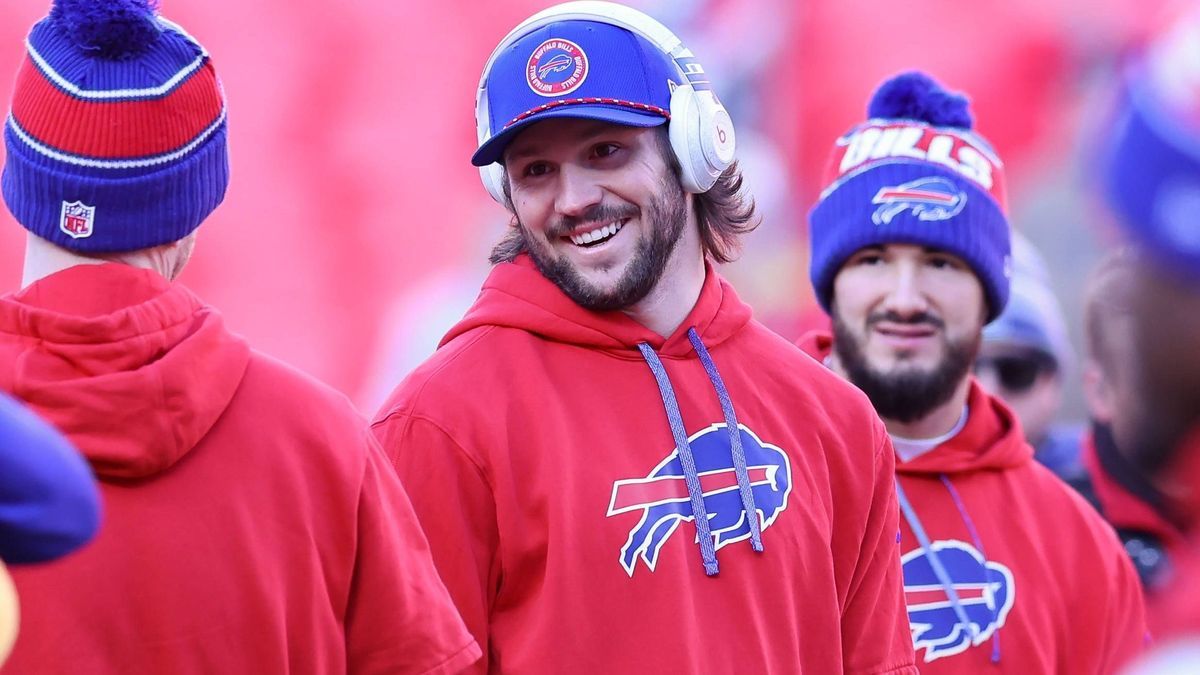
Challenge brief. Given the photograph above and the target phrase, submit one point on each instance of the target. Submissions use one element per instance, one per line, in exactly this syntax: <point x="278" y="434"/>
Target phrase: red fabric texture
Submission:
<point x="1077" y="602"/>
<point x="252" y="525"/>
<point x="512" y="440"/>
<point x="116" y="129"/>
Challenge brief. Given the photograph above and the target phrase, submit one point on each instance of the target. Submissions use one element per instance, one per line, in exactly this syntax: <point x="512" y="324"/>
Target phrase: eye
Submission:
<point x="535" y="169"/>
<point x="602" y="150"/>
<point x="867" y="258"/>
<point x="941" y="262"/>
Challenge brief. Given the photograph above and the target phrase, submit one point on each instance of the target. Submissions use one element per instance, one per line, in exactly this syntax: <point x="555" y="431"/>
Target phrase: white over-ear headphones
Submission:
<point x="700" y="129"/>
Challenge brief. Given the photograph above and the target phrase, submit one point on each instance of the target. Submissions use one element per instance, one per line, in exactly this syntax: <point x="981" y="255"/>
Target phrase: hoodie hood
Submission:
<point x="133" y="369"/>
<point x="991" y="440"/>
<point x="516" y="295"/>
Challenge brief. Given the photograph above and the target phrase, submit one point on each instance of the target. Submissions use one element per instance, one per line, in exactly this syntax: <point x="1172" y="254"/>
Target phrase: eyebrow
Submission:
<point x="592" y="131"/>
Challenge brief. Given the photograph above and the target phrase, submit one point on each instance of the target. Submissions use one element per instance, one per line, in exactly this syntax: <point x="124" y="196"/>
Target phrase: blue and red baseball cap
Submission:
<point x="577" y="69"/>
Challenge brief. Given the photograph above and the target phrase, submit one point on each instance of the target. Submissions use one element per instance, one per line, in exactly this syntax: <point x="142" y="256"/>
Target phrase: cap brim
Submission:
<point x="493" y="150"/>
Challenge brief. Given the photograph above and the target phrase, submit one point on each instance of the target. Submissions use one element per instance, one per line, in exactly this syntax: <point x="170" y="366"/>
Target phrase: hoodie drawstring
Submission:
<point x="687" y="461"/>
<point x="735" y="440"/>
<point x="910" y="516"/>
<point x="962" y="512"/>
<point x="939" y="570"/>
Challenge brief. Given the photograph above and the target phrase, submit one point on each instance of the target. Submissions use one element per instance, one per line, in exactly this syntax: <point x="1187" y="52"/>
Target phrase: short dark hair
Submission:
<point x="725" y="212"/>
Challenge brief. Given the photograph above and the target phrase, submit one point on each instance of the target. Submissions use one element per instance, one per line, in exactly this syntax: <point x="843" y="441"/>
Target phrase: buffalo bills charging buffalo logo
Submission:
<point x="930" y="198"/>
<point x="985" y="593"/>
<point x="556" y="67"/>
<point x="662" y="496"/>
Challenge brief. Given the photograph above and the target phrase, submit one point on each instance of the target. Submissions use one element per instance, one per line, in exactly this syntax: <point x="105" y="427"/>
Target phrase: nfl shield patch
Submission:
<point x="76" y="219"/>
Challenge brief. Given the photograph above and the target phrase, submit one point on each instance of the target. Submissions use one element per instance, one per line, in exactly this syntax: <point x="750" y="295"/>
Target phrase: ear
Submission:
<point x="1098" y="392"/>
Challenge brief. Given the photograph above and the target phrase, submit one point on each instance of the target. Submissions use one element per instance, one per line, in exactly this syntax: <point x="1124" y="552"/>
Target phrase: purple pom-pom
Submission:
<point x="112" y="29"/>
<point x="915" y="95"/>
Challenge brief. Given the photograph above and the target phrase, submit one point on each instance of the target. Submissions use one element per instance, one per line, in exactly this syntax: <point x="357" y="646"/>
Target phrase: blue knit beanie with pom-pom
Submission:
<point x="116" y="136"/>
<point x="914" y="173"/>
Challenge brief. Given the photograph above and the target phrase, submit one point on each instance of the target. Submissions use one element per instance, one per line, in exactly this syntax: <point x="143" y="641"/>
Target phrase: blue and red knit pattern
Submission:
<point x="119" y="148"/>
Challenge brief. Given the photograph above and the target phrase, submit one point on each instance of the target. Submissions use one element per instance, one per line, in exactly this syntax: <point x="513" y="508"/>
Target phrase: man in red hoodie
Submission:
<point x="1150" y="173"/>
<point x="1005" y="567"/>
<point x="252" y="523"/>
<point x="619" y="471"/>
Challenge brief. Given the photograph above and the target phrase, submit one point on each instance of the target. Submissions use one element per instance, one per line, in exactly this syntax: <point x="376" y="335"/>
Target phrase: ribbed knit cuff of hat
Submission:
<point x="133" y="208"/>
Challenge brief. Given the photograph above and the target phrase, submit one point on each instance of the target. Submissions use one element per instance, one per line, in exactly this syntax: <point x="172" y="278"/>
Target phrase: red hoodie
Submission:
<point x="540" y="455"/>
<point x="251" y="524"/>
<point x="1035" y="571"/>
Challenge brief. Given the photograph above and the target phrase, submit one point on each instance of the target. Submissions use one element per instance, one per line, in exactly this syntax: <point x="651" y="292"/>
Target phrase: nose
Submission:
<point x="906" y="296"/>
<point x="578" y="190"/>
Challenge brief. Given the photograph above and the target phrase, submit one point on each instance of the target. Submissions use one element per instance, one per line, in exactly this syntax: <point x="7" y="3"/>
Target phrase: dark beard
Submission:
<point x="906" y="395"/>
<point x="665" y="219"/>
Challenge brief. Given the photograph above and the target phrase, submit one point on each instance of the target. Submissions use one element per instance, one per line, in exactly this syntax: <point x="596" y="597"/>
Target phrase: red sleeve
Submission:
<point x="875" y="633"/>
<point x="400" y="619"/>
<point x="453" y="501"/>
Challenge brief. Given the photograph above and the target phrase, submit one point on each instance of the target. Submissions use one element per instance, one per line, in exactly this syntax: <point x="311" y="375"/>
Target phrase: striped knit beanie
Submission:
<point x="116" y="136"/>
<point x="914" y="173"/>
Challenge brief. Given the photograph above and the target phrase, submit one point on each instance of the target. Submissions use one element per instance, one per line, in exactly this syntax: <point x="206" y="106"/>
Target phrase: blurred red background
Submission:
<point x="355" y="230"/>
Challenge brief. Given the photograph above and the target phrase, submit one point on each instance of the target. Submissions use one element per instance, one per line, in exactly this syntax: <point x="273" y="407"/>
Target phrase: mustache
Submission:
<point x="597" y="213"/>
<point x="910" y="320"/>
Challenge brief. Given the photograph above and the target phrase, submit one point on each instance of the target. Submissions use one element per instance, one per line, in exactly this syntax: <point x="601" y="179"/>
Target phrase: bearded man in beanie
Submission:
<point x="252" y="524"/>
<point x="1005" y="567"/>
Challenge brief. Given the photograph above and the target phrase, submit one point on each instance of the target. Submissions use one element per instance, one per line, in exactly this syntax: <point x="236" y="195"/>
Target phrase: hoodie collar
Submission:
<point x="134" y="369"/>
<point x="516" y="295"/>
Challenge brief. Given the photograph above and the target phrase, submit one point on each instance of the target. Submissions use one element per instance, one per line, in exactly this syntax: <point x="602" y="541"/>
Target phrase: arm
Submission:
<point x="875" y="633"/>
<point x="400" y="619"/>
<point x="453" y="502"/>
<point x="49" y="505"/>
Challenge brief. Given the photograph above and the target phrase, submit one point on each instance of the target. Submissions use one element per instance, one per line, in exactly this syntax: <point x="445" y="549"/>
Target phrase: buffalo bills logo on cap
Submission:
<point x="662" y="497"/>
<point x="985" y="592"/>
<point x="556" y="67"/>
<point x="76" y="219"/>
<point x="930" y="198"/>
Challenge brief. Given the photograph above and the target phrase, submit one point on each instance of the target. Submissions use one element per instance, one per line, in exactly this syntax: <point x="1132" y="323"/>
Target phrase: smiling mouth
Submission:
<point x="597" y="236"/>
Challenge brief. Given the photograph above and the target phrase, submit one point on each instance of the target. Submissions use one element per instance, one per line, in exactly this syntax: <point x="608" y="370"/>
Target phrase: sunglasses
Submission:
<point x="1016" y="374"/>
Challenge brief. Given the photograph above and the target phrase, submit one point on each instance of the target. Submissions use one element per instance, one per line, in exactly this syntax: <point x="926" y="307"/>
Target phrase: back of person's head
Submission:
<point x="1110" y="363"/>
<point x="914" y="173"/>
<point x="116" y="139"/>
<point x="1026" y="350"/>
<point x="1150" y="173"/>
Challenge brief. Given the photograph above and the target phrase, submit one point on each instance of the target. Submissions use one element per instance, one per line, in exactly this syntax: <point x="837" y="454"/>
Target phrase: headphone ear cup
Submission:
<point x="682" y="130"/>
<point x="702" y="137"/>
<point x="492" y="176"/>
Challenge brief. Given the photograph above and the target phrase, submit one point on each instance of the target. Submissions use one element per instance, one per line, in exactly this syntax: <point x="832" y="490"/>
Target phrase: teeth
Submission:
<point x="597" y="234"/>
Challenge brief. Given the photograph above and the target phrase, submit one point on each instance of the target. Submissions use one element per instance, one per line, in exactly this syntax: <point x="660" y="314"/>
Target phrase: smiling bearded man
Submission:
<point x="607" y="420"/>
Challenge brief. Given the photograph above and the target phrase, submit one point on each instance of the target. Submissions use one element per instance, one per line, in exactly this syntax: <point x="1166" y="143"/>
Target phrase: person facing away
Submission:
<point x="1006" y="569"/>
<point x="1149" y="175"/>
<point x="252" y="523"/>
<point x="49" y="505"/>
<point x="1117" y="484"/>
<point x="1026" y="359"/>
<point x="618" y="469"/>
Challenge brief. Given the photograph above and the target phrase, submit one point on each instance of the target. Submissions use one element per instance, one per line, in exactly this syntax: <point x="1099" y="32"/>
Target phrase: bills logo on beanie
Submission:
<point x="116" y="136"/>
<point x="914" y="173"/>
